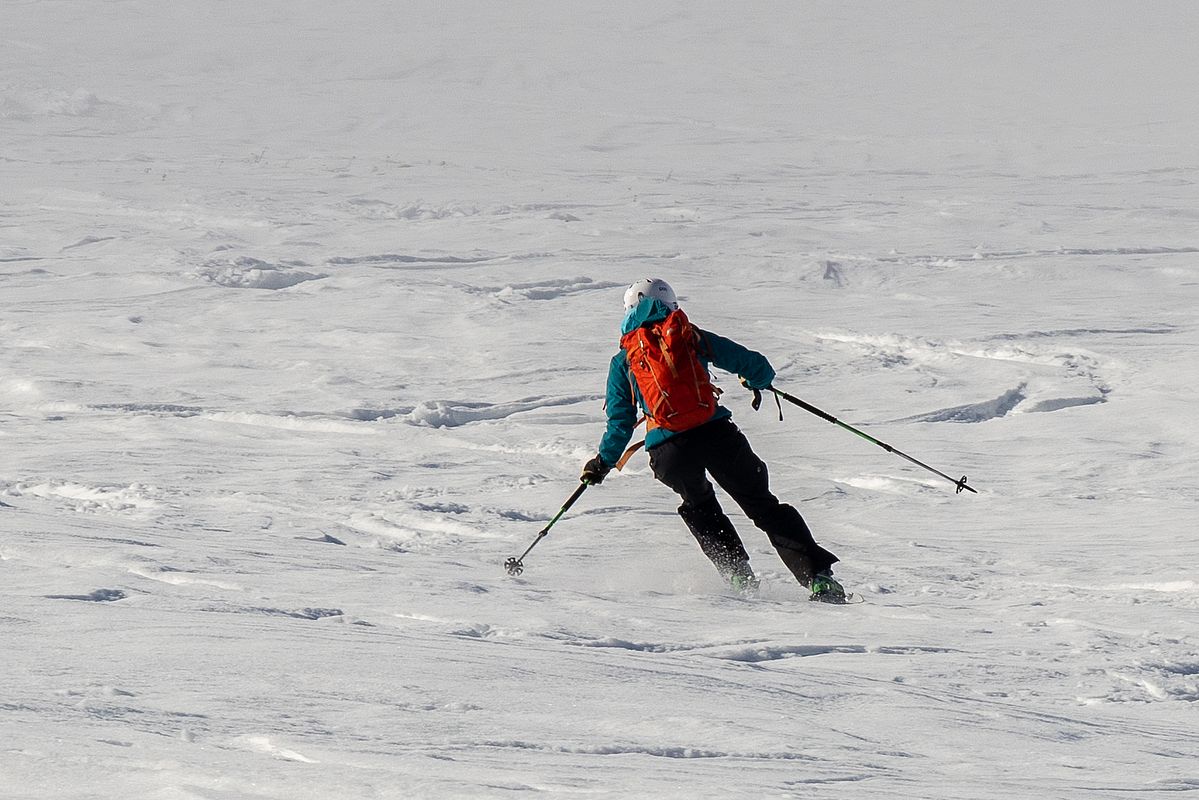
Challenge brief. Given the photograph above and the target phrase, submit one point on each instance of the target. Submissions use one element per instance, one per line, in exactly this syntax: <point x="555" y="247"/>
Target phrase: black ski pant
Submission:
<point x="719" y="449"/>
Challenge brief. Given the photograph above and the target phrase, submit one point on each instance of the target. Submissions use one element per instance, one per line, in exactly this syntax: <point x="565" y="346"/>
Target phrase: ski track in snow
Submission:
<point x="1053" y="370"/>
<point x="297" y="349"/>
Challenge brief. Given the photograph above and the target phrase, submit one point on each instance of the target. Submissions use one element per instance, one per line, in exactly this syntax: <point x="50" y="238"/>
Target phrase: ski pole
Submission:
<point x="515" y="566"/>
<point x="960" y="483"/>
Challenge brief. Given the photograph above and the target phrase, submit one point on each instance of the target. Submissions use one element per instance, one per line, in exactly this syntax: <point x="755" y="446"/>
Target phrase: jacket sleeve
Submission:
<point x="741" y="361"/>
<point x="621" y="409"/>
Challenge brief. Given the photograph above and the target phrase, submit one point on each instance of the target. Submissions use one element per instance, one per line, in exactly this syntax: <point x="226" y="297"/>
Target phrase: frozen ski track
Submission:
<point x="407" y="261"/>
<point x="426" y="413"/>
<point x="770" y="652"/>
<point x="98" y="596"/>
<point x="1053" y="379"/>
<point x="544" y="290"/>
<point x="977" y="412"/>
<point x="983" y="254"/>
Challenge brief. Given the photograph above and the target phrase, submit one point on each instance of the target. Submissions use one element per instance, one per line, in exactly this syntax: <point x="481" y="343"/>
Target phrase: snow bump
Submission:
<point x="251" y="273"/>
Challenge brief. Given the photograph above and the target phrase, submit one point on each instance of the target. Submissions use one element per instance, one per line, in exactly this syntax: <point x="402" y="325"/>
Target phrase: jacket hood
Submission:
<point x="651" y="309"/>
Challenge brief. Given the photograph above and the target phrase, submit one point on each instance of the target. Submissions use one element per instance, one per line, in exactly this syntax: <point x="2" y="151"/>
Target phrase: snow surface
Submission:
<point x="305" y="309"/>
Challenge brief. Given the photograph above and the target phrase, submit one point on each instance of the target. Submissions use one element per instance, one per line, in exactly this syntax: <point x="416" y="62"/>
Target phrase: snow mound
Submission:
<point x="251" y="273"/>
<point x="453" y="414"/>
<point x="51" y="103"/>
<point x="368" y="208"/>
<point x="86" y="499"/>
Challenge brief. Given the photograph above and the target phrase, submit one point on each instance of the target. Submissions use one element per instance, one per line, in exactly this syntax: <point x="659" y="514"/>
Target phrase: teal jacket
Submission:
<point x="624" y="398"/>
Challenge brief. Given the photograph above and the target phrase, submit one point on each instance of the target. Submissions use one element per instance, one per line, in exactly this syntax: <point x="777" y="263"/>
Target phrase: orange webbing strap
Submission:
<point x="624" y="459"/>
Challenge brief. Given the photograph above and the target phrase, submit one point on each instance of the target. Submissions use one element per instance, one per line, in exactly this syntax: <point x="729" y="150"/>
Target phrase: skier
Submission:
<point x="662" y="367"/>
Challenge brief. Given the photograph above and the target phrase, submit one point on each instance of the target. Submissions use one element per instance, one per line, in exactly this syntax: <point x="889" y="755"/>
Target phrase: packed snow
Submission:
<point x="305" y="313"/>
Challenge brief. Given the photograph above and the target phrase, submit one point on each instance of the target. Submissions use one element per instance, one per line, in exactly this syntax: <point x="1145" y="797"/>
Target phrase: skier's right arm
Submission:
<point x="753" y="367"/>
<point x="621" y="409"/>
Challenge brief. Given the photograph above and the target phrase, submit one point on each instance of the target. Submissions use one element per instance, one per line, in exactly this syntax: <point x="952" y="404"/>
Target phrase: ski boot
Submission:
<point x="826" y="589"/>
<point x="743" y="581"/>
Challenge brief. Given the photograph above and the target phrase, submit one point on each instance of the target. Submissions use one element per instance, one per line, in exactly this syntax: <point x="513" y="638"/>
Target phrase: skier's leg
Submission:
<point x="717" y="537"/>
<point x="675" y="464"/>
<point x="739" y="471"/>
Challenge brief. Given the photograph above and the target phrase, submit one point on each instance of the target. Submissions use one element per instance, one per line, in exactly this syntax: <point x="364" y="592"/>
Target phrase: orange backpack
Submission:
<point x="675" y="386"/>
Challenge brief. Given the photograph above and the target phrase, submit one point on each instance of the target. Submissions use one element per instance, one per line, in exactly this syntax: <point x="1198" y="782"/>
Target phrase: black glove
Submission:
<point x="745" y="382"/>
<point x="594" y="471"/>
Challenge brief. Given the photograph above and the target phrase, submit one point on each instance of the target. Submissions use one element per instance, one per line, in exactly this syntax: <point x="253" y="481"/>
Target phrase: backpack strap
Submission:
<point x="624" y="459"/>
<point x="633" y="448"/>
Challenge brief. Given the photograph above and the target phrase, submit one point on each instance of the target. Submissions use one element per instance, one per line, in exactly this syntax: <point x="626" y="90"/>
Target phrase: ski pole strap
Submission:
<point x="756" y="403"/>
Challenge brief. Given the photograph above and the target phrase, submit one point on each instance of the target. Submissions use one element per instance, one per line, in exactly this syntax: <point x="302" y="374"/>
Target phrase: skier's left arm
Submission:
<point x="751" y="366"/>
<point x="621" y="408"/>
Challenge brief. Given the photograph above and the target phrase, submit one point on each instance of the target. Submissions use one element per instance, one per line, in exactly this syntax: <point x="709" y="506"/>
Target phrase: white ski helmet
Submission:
<point x="650" y="287"/>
